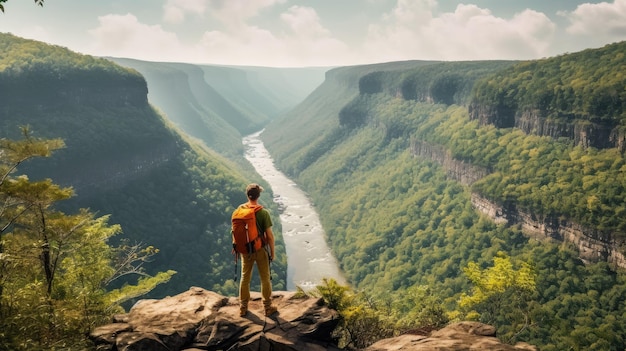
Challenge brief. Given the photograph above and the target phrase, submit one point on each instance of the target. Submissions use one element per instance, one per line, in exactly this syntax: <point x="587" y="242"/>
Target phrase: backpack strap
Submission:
<point x="265" y="244"/>
<point x="260" y="230"/>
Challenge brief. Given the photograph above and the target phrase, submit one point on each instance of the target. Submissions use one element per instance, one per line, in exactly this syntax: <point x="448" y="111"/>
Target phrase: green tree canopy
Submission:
<point x="55" y="267"/>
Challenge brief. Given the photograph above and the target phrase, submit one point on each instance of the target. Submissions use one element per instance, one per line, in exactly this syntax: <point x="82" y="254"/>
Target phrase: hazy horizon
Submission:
<point x="297" y="33"/>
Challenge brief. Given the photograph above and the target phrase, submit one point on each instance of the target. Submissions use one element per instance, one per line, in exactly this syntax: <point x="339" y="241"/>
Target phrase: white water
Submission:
<point x="309" y="258"/>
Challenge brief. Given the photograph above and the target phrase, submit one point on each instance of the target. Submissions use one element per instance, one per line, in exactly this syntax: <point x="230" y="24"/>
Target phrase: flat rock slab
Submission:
<point x="199" y="319"/>
<point x="462" y="336"/>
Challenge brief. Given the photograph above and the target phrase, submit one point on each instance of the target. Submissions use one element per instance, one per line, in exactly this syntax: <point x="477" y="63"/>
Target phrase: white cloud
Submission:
<point x="174" y="11"/>
<point x="125" y="36"/>
<point x="602" y="19"/>
<point x="309" y="41"/>
<point x="229" y="12"/>
<point x="275" y="32"/>
<point x="236" y="12"/>
<point x="249" y="44"/>
<point x="409" y="12"/>
<point x="304" y="21"/>
<point x="304" y="41"/>
<point x="413" y="31"/>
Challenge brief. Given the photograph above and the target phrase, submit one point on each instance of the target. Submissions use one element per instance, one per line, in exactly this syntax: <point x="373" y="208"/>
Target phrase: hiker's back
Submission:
<point x="246" y="238"/>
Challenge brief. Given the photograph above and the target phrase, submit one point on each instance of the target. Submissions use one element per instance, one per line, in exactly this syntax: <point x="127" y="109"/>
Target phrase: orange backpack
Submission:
<point x="246" y="238"/>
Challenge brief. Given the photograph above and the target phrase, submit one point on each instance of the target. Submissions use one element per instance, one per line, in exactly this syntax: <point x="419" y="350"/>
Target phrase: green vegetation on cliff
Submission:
<point x="298" y="138"/>
<point x="587" y="85"/>
<point x="124" y="160"/>
<point x="219" y="104"/>
<point x="397" y="222"/>
<point x="400" y="227"/>
<point x="56" y="269"/>
<point x="548" y="178"/>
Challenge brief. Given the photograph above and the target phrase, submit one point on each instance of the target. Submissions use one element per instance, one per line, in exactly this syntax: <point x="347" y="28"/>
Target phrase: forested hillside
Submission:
<point x="298" y="141"/>
<point x="579" y="96"/>
<point x="401" y="218"/>
<point x="408" y="163"/>
<point x="219" y="104"/>
<point x="123" y="158"/>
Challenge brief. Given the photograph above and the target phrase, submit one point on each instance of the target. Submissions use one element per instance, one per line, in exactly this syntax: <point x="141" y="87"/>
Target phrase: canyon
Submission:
<point x="593" y="245"/>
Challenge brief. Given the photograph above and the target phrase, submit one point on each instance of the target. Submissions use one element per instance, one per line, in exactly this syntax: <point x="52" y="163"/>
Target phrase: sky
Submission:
<point x="318" y="33"/>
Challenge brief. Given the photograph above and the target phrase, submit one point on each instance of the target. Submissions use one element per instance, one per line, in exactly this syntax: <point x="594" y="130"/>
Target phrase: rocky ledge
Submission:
<point x="199" y="319"/>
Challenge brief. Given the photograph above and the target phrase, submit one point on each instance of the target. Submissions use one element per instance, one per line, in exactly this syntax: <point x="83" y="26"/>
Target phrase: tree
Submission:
<point x="362" y="323"/>
<point x="55" y="267"/>
<point x="502" y="295"/>
<point x="38" y="2"/>
<point x="419" y="307"/>
<point x="16" y="192"/>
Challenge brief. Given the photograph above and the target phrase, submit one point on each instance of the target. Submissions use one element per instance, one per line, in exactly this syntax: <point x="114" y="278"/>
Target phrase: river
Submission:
<point x="309" y="258"/>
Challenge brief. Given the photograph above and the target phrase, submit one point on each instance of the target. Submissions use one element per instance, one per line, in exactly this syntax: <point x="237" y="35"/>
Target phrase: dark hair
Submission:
<point x="253" y="191"/>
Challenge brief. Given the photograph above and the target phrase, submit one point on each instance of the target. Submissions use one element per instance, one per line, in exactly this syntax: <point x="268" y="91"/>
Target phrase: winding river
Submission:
<point x="309" y="258"/>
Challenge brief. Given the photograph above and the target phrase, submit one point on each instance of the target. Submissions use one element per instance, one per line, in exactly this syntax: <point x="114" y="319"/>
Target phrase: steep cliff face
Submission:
<point x="461" y="171"/>
<point x="44" y="86"/>
<point x="121" y="157"/>
<point x="579" y="96"/>
<point x="441" y="82"/>
<point x="95" y="113"/>
<point x="593" y="245"/>
<point x="500" y="116"/>
<point x="581" y="132"/>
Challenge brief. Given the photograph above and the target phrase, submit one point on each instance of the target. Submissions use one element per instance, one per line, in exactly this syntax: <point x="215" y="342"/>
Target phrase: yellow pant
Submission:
<point x="263" y="266"/>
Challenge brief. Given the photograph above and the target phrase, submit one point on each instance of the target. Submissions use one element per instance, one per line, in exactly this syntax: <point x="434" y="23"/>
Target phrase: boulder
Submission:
<point x="199" y="319"/>
<point x="462" y="336"/>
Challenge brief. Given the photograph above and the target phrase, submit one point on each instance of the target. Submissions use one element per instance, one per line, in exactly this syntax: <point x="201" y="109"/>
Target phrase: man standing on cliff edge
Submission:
<point x="262" y="257"/>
